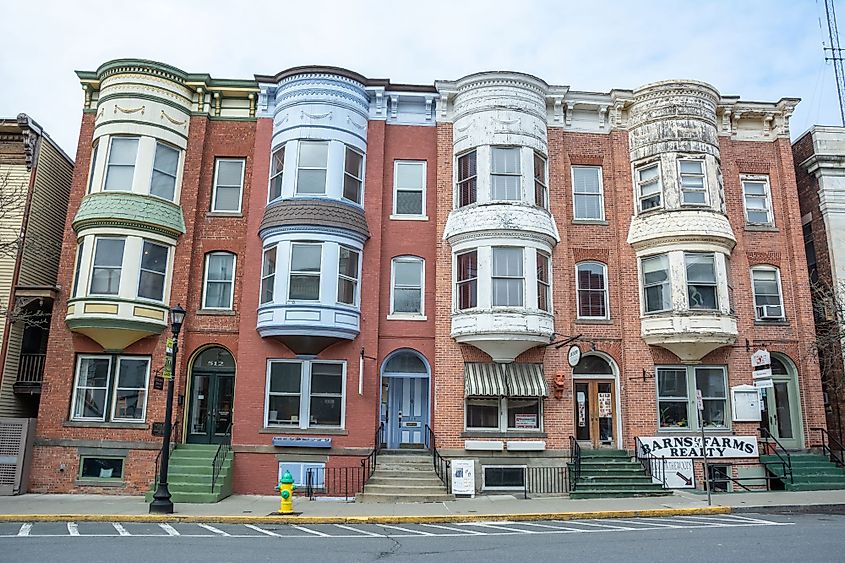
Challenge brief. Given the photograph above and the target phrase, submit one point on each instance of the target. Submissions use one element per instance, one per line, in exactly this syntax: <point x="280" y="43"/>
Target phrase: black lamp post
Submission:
<point x="161" y="503"/>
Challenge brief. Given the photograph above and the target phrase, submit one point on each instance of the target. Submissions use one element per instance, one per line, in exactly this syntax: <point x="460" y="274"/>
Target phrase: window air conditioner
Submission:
<point x="767" y="312"/>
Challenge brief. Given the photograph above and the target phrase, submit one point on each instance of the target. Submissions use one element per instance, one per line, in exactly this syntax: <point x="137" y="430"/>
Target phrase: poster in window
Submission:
<point x="582" y="407"/>
<point x="525" y="420"/>
<point x="605" y="410"/>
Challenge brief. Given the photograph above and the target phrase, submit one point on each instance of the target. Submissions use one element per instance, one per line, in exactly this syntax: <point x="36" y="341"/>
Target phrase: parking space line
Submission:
<point x="407" y="530"/>
<point x="310" y="531"/>
<point x="262" y="530"/>
<point x="549" y="526"/>
<point x="120" y="529"/>
<point x="213" y="529"/>
<point x="73" y="528"/>
<point x="171" y="531"/>
<point x="496" y="526"/>
<point x="463" y="531"/>
<point x="606" y="526"/>
<point x="25" y="529"/>
<point x="365" y="532"/>
<point x="647" y="522"/>
<point x="708" y="521"/>
<point x="735" y="517"/>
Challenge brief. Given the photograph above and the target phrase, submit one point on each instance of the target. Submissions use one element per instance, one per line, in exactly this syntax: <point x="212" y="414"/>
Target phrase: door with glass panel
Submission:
<point x="779" y="407"/>
<point x="212" y="397"/>
<point x="595" y="420"/>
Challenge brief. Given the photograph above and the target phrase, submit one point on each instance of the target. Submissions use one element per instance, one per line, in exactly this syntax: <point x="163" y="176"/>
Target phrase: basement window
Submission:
<point x="503" y="477"/>
<point x="300" y="472"/>
<point x="101" y="468"/>
<point x="719" y="476"/>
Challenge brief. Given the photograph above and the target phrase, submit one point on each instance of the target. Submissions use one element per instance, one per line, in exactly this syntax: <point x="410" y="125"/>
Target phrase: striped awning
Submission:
<point x="504" y="380"/>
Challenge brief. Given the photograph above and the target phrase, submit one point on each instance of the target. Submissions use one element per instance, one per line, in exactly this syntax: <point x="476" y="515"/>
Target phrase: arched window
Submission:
<point x="591" y="286"/>
<point x="219" y="280"/>
<point x="407" y="286"/>
<point x="593" y="365"/>
<point x="405" y="362"/>
<point x="778" y="367"/>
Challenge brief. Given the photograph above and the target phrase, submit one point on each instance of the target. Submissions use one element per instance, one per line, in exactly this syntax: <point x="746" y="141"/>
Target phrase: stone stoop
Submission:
<point x="612" y="473"/>
<point x="189" y="478"/>
<point x="404" y="476"/>
<point x="810" y="472"/>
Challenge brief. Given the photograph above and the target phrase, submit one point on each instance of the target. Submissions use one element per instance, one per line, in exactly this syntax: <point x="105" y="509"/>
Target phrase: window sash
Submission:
<point x="165" y="167"/>
<point x="353" y="175"/>
<point x="407" y="295"/>
<point x="408" y="188"/>
<point x="268" y="275"/>
<point x="505" y="174"/>
<point x="766" y="286"/>
<point x="124" y="391"/>
<point x="499" y="414"/>
<point x="310" y="401"/>
<point x="592" y="295"/>
<point x="227" y="195"/>
<point x="663" y="287"/>
<point x="120" y="168"/>
<point x="543" y="282"/>
<point x="467" y="166"/>
<point x="676" y="402"/>
<point x="219" y="284"/>
<point x="650" y="189"/>
<point x="692" y="180"/>
<point x="277" y="165"/>
<point x="84" y="396"/>
<point x="541" y="190"/>
<point x="304" y="284"/>
<point x="152" y="276"/>
<point x="107" y="273"/>
<point x="467" y="280"/>
<point x="311" y="178"/>
<point x="347" y="282"/>
<point x="757" y="198"/>
<point x="507" y="277"/>
<point x="702" y="290"/>
<point x="587" y="193"/>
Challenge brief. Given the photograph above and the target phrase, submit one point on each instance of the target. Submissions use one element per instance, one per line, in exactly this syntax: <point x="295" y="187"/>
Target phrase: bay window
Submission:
<point x="701" y="281"/>
<point x="305" y="265"/>
<point x="153" y="271"/>
<point x="353" y="175"/>
<point x="467" y="179"/>
<point x="347" y="276"/>
<point x="312" y="167"/>
<point x="693" y="186"/>
<point x="110" y="388"/>
<point x="467" y="280"/>
<point x="657" y="286"/>
<point x="268" y="275"/>
<point x="305" y="394"/>
<point x="120" y="167"/>
<point x="507" y="277"/>
<point x="165" y="166"/>
<point x="505" y="174"/>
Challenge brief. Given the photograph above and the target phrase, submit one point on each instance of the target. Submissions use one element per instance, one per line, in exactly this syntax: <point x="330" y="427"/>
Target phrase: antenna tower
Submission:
<point x="835" y="55"/>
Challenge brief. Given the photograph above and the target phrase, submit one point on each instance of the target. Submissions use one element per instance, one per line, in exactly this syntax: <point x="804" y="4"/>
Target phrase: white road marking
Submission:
<point x="310" y="531"/>
<point x="735" y="517"/>
<point x="25" y="529"/>
<point x="213" y="529"/>
<point x="648" y="522"/>
<point x="464" y="531"/>
<point x="406" y="530"/>
<point x="710" y="521"/>
<point x="120" y="529"/>
<point x="607" y="526"/>
<point x="171" y="531"/>
<point x="498" y="526"/>
<point x="73" y="528"/>
<point x="262" y="530"/>
<point x="365" y="532"/>
<point x="561" y="528"/>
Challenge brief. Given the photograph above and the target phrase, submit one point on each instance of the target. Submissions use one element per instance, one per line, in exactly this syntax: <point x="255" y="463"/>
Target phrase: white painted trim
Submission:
<point x="600" y="194"/>
<point x="770" y="211"/>
<point x="217" y="162"/>
<point x="606" y="291"/>
<point x="706" y="189"/>
<point x="395" y="215"/>
<point x="116" y="379"/>
<point x="768" y="268"/>
<point x="79" y="359"/>
<point x="615" y="376"/>
<point x="305" y="394"/>
<point x="205" y="280"/>
<point x="407" y="258"/>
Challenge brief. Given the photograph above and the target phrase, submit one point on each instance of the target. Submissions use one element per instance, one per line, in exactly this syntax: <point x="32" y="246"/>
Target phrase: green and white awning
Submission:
<point x="504" y="380"/>
<point x="484" y="380"/>
<point x="526" y="380"/>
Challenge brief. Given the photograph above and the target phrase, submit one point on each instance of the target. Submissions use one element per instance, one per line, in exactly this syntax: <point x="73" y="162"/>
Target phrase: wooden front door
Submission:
<point x="595" y="413"/>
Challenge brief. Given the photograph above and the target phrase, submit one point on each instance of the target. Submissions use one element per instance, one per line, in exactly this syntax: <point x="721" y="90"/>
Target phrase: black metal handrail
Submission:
<point x="220" y="457"/>
<point x="744" y="482"/>
<point x="31" y="369"/>
<point x="369" y="463"/>
<point x="649" y="462"/>
<point x="334" y="482"/>
<point x="158" y="463"/>
<point x="778" y="450"/>
<point x="828" y="442"/>
<point x="441" y="464"/>
<point x="575" y="463"/>
<point x="545" y="480"/>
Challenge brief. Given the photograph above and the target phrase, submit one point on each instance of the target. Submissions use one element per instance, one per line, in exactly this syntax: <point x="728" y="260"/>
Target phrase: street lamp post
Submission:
<point x="161" y="503"/>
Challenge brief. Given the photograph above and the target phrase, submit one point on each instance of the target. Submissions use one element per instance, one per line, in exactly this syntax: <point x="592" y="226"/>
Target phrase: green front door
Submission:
<point x="212" y="397"/>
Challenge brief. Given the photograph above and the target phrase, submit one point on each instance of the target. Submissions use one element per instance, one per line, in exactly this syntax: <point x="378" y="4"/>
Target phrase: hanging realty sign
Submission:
<point x="690" y="446"/>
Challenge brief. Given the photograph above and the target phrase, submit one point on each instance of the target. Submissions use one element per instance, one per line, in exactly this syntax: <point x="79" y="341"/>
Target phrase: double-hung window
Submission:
<point x="228" y="185"/>
<point x="591" y="281"/>
<point x="467" y="280"/>
<point x="409" y="188"/>
<point x="305" y="262"/>
<point x="701" y="281"/>
<point x="672" y="397"/>
<point x="544" y="290"/>
<point x="758" y="200"/>
<point x="347" y="276"/>
<point x="311" y="168"/>
<point x="587" y="193"/>
<point x="657" y="289"/>
<point x="503" y="413"/>
<point x="219" y="280"/>
<point x="711" y="382"/>
<point x="541" y="188"/>
<point x="153" y="271"/>
<point x="649" y="187"/>
<point x="305" y="394"/>
<point x="467" y="179"/>
<point x="108" y="261"/>
<point x="165" y="166"/>
<point x="110" y="388"/>
<point x="268" y="275"/>
<point x="120" y="168"/>
<point x="277" y="165"/>
<point x="768" y="303"/>
<point x="407" y="289"/>
<point x="693" y="186"/>
<point x="505" y="174"/>
<point x="508" y="277"/>
<point x="353" y="175"/>
<point x="676" y="403"/>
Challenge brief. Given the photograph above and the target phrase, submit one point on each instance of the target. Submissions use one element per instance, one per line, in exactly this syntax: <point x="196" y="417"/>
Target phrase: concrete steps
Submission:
<point x="404" y="476"/>
<point x="190" y="472"/>
<point x="611" y="473"/>
<point x="810" y="472"/>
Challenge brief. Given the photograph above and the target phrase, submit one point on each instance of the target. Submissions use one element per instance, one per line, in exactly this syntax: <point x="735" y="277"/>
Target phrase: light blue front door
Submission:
<point x="407" y="410"/>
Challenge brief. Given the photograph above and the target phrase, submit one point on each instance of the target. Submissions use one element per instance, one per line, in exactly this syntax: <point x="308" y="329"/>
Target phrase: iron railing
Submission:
<point x="574" y="463"/>
<point x="220" y="457"/>
<point x="653" y="466"/>
<point x="334" y="482"/>
<point x="368" y="464"/>
<point x="773" y="447"/>
<point x="545" y="480"/>
<point x="31" y="369"/>
<point x="158" y="462"/>
<point x="441" y="464"/>
<point x="830" y="447"/>
<point x="744" y="483"/>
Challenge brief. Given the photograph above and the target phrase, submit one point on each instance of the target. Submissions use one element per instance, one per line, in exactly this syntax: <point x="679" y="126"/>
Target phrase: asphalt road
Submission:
<point x="806" y="537"/>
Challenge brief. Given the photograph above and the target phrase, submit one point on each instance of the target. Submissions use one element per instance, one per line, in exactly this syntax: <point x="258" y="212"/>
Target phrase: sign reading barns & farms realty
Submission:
<point x="690" y="446"/>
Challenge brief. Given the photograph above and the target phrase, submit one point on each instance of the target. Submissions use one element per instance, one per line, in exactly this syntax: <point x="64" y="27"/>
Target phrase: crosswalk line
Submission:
<point x="73" y="528"/>
<point x="262" y="530"/>
<point x="310" y="531"/>
<point x="459" y="530"/>
<point x="25" y="529"/>
<point x="213" y="529"/>
<point x="120" y="529"/>
<point x="407" y="530"/>
<point x="365" y="532"/>
<point x="171" y="531"/>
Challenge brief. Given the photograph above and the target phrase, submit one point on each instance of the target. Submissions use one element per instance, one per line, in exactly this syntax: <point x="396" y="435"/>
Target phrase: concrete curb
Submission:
<point x="829" y="508"/>
<point x="434" y="519"/>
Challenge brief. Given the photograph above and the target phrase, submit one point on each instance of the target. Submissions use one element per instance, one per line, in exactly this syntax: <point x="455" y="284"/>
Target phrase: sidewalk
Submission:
<point x="249" y="508"/>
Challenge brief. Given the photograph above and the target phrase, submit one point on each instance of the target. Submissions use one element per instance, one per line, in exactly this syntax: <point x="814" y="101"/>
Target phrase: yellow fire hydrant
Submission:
<point x="286" y="488"/>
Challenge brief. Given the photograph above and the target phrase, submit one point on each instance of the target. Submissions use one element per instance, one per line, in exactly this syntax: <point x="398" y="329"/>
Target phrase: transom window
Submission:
<point x="657" y="288"/>
<point x="219" y="280"/>
<point x="305" y="394"/>
<point x="311" y="167"/>
<point x="165" y="165"/>
<point x="768" y="303"/>
<point x="153" y="271"/>
<point x="108" y="260"/>
<point x="409" y="188"/>
<point x="467" y="280"/>
<point x="676" y="399"/>
<point x="407" y="290"/>
<point x="268" y="275"/>
<point x="110" y="387"/>
<point x="347" y="276"/>
<point x="541" y="189"/>
<point x="305" y="263"/>
<point x="353" y="175"/>
<point x="701" y="281"/>
<point x="591" y="281"/>
<point x="544" y="297"/>
<point x="467" y="179"/>
<point x="758" y="202"/>
<point x="587" y="193"/>
<point x="228" y="185"/>
<point x="277" y="165"/>
<point x="505" y="174"/>
<point x="508" y="277"/>
<point x="120" y="168"/>
<point x="693" y="187"/>
<point x="649" y="187"/>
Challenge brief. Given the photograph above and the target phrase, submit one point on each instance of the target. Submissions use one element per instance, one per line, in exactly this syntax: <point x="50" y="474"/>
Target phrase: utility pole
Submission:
<point x="835" y="55"/>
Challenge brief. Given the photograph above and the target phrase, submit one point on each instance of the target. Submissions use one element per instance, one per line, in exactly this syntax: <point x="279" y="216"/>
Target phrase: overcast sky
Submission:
<point x="759" y="50"/>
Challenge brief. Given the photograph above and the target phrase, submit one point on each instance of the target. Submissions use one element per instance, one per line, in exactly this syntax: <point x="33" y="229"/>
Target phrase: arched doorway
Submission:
<point x="597" y="420"/>
<point x="405" y="379"/>
<point x="212" y="396"/>
<point x="781" y="409"/>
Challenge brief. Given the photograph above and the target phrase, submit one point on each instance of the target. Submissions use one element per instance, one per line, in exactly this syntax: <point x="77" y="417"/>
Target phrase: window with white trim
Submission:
<point x="691" y="178"/>
<point x="467" y="179"/>
<point x="467" y="280"/>
<point x="409" y="177"/>
<point x="508" y="277"/>
<point x="587" y="193"/>
<point x="505" y="175"/>
<point x="268" y="275"/>
<point x="649" y="187"/>
<point x="108" y="261"/>
<point x="277" y="165"/>
<point x="768" y="300"/>
<point x="311" y="167"/>
<point x="701" y="280"/>
<point x="305" y="265"/>
<point x="544" y="289"/>
<point x="120" y="167"/>
<point x="165" y="167"/>
<point x="541" y="187"/>
<point x="305" y="394"/>
<point x="347" y="275"/>
<point x="110" y="388"/>
<point x="591" y="286"/>
<point x="406" y="295"/>
<point x="503" y="413"/>
<point x="657" y="286"/>
<point x="153" y="271"/>
<point x="228" y="185"/>
<point x="676" y="404"/>
<point x="353" y="175"/>
<point x="757" y="198"/>
<point x="219" y="280"/>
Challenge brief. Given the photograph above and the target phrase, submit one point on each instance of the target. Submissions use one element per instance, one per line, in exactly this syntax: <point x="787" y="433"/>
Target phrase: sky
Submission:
<point x="759" y="50"/>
